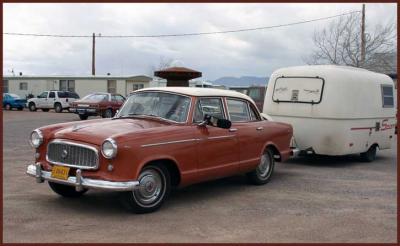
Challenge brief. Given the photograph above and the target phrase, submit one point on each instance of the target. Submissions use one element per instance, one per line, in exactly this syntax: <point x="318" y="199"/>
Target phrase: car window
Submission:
<point x="52" y="94"/>
<point x="209" y="106"/>
<point x="96" y="97"/>
<point x="73" y="95"/>
<point x="238" y="110"/>
<point x="157" y="104"/>
<point x="14" y="96"/>
<point x="120" y="98"/>
<point x="253" y="114"/>
<point x="43" y="95"/>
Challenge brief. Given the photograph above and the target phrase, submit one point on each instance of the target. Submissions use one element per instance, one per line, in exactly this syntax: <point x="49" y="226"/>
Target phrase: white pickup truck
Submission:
<point x="57" y="100"/>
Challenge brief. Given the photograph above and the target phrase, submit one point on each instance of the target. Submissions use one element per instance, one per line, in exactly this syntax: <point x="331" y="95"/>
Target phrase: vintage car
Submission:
<point x="160" y="138"/>
<point x="103" y="104"/>
<point x="11" y="101"/>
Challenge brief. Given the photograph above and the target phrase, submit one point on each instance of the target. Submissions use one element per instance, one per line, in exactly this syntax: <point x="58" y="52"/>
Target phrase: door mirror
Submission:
<point x="213" y="121"/>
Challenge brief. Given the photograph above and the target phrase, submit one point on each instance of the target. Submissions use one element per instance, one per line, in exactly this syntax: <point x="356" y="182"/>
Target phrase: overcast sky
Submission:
<point x="255" y="53"/>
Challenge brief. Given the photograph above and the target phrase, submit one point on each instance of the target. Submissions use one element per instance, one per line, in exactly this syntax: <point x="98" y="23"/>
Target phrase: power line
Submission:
<point x="177" y="35"/>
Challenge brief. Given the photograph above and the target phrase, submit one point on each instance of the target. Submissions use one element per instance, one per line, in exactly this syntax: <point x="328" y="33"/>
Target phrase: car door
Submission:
<point x="51" y="100"/>
<point x="249" y="129"/>
<point x="217" y="148"/>
<point x="117" y="101"/>
<point x="41" y="101"/>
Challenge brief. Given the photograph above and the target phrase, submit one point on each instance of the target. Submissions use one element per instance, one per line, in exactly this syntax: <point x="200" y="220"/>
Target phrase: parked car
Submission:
<point x="334" y="110"/>
<point x="161" y="137"/>
<point x="57" y="100"/>
<point x="103" y="104"/>
<point x="11" y="101"/>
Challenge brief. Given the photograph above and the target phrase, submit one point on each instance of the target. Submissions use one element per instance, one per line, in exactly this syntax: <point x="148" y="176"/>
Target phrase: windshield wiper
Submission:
<point x="133" y="115"/>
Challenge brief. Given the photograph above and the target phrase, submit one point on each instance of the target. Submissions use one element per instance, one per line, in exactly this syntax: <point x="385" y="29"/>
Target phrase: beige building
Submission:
<point x="24" y="85"/>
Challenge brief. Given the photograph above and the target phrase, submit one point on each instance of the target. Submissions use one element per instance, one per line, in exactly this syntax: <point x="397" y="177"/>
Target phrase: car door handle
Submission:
<point x="260" y="128"/>
<point x="232" y="129"/>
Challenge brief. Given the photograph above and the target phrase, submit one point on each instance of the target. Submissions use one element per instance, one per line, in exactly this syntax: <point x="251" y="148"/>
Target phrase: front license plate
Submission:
<point x="59" y="172"/>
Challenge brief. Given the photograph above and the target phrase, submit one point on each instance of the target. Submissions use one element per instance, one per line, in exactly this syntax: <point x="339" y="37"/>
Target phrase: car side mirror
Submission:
<point x="214" y="121"/>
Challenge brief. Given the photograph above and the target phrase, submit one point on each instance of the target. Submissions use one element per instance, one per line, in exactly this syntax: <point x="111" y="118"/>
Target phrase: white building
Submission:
<point x="24" y="85"/>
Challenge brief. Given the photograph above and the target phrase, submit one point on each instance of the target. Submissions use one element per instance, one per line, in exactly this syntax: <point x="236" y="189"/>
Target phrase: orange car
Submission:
<point x="161" y="137"/>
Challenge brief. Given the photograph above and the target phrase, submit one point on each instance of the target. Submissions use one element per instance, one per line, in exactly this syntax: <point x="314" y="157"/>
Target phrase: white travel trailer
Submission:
<point x="334" y="110"/>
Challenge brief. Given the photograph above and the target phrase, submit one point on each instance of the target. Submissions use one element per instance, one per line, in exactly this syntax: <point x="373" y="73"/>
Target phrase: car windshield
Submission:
<point x="156" y="104"/>
<point x="96" y="97"/>
<point x="14" y="96"/>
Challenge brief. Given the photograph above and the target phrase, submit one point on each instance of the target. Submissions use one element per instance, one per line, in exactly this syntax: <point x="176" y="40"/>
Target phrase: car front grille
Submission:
<point x="71" y="154"/>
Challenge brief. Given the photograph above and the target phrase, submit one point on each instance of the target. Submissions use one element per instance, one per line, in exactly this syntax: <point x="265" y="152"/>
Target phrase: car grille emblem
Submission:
<point x="64" y="154"/>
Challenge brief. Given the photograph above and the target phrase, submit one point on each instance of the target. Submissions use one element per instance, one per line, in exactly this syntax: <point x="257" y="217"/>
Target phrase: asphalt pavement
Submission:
<point x="322" y="199"/>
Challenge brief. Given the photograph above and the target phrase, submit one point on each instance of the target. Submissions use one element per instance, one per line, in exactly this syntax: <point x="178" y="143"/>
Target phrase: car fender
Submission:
<point x="154" y="158"/>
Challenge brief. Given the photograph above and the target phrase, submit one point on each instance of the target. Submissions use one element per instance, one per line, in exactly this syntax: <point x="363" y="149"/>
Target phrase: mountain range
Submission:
<point x="241" y="81"/>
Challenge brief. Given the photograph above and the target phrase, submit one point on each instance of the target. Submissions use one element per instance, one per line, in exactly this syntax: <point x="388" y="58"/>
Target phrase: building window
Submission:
<point x="111" y="86"/>
<point x="387" y="96"/>
<point x="67" y="85"/>
<point x="137" y="87"/>
<point x="23" y="86"/>
<point x="5" y="86"/>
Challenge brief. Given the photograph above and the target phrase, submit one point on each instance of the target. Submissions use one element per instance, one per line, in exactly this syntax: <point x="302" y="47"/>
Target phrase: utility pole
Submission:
<point x="94" y="55"/>
<point x="363" y="36"/>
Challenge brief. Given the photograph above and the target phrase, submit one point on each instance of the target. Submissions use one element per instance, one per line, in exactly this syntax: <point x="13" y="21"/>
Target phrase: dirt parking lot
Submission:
<point x="308" y="200"/>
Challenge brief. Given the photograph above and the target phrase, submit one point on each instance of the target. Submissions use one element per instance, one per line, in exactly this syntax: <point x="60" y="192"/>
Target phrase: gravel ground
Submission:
<point x="308" y="200"/>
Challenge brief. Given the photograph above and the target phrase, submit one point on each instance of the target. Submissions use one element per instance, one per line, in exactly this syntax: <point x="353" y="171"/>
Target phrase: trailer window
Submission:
<point x="298" y="90"/>
<point x="387" y="96"/>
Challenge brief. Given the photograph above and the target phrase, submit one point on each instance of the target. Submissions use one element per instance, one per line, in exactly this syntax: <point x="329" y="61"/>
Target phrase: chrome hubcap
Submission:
<point x="150" y="187"/>
<point x="264" y="166"/>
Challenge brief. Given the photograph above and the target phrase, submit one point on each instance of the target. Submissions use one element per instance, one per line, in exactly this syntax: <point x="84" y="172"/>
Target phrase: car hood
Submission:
<point x="96" y="131"/>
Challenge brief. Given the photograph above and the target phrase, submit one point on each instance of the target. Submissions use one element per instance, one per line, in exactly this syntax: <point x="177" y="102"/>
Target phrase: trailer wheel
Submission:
<point x="369" y="155"/>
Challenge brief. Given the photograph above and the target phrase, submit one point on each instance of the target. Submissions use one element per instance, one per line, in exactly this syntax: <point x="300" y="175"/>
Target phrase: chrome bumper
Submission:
<point x="295" y="152"/>
<point x="78" y="181"/>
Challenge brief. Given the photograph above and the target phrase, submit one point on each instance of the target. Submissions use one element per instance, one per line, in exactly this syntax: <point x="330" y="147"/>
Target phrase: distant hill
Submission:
<point x="242" y="81"/>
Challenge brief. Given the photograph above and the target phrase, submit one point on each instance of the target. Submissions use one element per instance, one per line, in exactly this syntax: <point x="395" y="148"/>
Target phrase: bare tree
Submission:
<point x="340" y="44"/>
<point x="162" y="64"/>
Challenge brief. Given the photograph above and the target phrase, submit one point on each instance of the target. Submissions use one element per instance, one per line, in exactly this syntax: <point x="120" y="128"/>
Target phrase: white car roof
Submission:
<point x="200" y="92"/>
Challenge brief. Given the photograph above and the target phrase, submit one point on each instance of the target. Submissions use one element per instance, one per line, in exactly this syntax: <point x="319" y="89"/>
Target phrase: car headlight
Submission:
<point x="36" y="138"/>
<point x="109" y="148"/>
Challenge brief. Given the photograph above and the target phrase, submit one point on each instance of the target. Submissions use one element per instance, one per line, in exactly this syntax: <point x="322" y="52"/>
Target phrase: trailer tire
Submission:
<point x="369" y="155"/>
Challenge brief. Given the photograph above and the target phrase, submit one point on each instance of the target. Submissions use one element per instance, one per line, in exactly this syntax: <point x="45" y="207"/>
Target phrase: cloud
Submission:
<point x="249" y="53"/>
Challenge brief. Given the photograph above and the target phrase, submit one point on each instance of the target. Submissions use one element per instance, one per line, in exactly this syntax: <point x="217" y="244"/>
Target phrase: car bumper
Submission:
<point x="80" y="182"/>
<point x="84" y="111"/>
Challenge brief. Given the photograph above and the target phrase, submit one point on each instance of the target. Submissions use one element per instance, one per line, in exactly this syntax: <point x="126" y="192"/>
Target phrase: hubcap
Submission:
<point x="264" y="166"/>
<point x="150" y="187"/>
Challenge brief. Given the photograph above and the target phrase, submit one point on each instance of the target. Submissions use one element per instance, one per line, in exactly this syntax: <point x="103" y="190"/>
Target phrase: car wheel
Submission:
<point x="108" y="113"/>
<point x="369" y="155"/>
<point x="65" y="190"/>
<point x="58" y="108"/>
<point x="153" y="189"/>
<point x="45" y="109"/>
<point x="83" y="116"/>
<point x="32" y="107"/>
<point x="8" y="107"/>
<point x="263" y="172"/>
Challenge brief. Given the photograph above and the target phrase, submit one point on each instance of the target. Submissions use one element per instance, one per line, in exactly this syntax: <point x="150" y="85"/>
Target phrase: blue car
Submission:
<point x="11" y="101"/>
